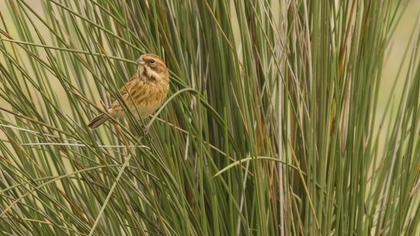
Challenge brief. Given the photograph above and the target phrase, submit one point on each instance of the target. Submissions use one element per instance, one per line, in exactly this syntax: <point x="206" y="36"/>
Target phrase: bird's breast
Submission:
<point x="150" y="101"/>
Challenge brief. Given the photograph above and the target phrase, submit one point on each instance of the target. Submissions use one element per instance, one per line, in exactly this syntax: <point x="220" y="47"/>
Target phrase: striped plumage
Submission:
<point x="143" y="93"/>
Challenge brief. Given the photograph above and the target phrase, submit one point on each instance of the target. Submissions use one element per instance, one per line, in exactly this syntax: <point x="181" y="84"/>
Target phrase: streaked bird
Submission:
<point x="143" y="93"/>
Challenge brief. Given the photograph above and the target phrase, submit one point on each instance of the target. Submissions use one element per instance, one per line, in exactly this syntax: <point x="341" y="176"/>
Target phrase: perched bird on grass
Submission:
<point x="143" y="93"/>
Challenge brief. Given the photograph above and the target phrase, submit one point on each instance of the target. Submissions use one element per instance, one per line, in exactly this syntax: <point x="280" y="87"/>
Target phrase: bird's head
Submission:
<point x="153" y="67"/>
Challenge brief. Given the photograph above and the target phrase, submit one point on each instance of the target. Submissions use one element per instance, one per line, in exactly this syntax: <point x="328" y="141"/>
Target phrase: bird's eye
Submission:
<point x="152" y="62"/>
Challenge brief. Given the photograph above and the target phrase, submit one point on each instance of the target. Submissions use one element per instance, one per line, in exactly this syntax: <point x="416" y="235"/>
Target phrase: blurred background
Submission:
<point x="252" y="140"/>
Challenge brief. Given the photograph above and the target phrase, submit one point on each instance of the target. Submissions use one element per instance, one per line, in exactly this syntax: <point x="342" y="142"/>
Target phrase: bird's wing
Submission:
<point x="128" y="87"/>
<point x="133" y="92"/>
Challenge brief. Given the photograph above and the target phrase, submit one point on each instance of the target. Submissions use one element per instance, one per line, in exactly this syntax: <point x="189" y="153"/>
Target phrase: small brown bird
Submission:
<point x="143" y="93"/>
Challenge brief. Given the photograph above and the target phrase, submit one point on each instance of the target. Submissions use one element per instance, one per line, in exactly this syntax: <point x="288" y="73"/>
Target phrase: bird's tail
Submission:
<point x="97" y="121"/>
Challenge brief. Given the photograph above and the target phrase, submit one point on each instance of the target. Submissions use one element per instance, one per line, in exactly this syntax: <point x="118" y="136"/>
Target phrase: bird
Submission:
<point x="143" y="94"/>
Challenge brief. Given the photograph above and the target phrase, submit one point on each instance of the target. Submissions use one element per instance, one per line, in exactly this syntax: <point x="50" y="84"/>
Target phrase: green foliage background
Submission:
<point x="271" y="126"/>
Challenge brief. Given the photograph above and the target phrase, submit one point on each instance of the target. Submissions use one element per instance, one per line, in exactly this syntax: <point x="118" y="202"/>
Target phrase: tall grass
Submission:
<point x="271" y="126"/>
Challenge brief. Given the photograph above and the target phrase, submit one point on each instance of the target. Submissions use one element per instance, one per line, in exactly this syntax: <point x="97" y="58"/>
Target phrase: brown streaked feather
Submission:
<point x="146" y="94"/>
<point x="143" y="93"/>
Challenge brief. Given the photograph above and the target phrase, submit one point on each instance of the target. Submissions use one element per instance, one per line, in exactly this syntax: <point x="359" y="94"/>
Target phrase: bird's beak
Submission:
<point x="140" y="61"/>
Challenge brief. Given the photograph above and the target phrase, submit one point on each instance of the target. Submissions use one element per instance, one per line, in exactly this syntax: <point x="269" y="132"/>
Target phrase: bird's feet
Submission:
<point x="146" y="131"/>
